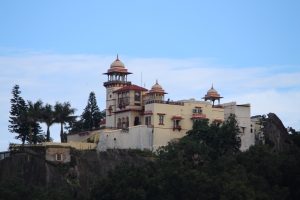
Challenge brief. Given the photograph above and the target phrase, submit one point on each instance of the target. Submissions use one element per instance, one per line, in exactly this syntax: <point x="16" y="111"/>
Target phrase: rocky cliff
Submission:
<point x="77" y="176"/>
<point x="275" y="133"/>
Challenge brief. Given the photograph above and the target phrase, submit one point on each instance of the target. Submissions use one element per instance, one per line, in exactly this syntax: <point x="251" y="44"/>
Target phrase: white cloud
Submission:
<point x="283" y="103"/>
<point x="53" y="77"/>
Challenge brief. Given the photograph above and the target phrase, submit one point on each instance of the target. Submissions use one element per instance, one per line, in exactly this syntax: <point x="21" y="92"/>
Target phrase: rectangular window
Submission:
<point x="197" y="110"/>
<point x="148" y="120"/>
<point x="176" y="124"/>
<point x="243" y="129"/>
<point x="137" y="96"/>
<point x="161" y="119"/>
<point x="58" y="157"/>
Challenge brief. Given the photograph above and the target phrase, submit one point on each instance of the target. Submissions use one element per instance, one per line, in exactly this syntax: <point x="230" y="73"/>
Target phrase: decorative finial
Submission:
<point x="212" y="86"/>
<point x="117" y="57"/>
<point x="156" y="81"/>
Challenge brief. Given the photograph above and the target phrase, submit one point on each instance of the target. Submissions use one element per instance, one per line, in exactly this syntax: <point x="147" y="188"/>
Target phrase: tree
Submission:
<point x="63" y="114"/>
<point x="33" y="117"/>
<point x="18" y="111"/>
<point x="75" y="125"/>
<point x="201" y="130"/>
<point x="230" y="140"/>
<point x="47" y="116"/>
<point x="91" y="115"/>
<point x="219" y="138"/>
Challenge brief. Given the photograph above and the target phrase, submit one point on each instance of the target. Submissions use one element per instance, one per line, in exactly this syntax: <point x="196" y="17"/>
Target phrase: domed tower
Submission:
<point x="117" y="75"/>
<point x="157" y="92"/>
<point x="116" y="79"/>
<point x="212" y="95"/>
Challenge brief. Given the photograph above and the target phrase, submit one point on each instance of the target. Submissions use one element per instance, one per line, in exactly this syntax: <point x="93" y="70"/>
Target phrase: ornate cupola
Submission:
<point x="157" y="92"/>
<point x="212" y="95"/>
<point x="116" y="79"/>
<point x="117" y="74"/>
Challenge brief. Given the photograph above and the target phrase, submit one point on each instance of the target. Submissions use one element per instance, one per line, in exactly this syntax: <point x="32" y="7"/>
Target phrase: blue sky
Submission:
<point x="57" y="50"/>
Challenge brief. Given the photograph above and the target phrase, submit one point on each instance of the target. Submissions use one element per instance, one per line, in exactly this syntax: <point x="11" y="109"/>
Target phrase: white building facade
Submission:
<point x="138" y="118"/>
<point x="242" y="113"/>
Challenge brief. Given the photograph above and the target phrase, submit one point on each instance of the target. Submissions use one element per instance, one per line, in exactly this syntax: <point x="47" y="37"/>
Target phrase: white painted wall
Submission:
<point x="242" y="113"/>
<point x="137" y="137"/>
<point x="110" y="101"/>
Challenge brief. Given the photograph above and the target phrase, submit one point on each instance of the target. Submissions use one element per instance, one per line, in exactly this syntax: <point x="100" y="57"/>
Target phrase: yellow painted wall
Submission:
<point x="162" y="134"/>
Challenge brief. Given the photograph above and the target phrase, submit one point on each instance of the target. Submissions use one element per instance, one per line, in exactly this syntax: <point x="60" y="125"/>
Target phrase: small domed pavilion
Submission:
<point x="212" y="95"/>
<point x="117" y="74"/>
<point x="157" y="92"/>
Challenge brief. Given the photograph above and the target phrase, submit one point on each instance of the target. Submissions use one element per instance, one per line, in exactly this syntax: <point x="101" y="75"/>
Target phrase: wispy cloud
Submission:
<point x="54" y="77"/>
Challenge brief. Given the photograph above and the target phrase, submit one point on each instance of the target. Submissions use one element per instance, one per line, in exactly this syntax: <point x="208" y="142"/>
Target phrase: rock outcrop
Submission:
<point x="275" y="133"/>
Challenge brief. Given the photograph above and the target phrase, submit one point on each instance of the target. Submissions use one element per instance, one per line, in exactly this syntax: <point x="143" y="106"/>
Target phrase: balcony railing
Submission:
<point x="177" y="128"/>
<point x="116" y="82"/>
<point x="164" y="102"/>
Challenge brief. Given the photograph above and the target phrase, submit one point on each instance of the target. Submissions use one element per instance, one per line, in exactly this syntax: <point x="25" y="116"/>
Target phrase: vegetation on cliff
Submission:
<point x="205" y="164"/>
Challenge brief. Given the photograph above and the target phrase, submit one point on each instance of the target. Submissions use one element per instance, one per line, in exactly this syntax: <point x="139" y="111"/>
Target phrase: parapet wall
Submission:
<point x="75" y="145"/>
<point x="136" y="137"/>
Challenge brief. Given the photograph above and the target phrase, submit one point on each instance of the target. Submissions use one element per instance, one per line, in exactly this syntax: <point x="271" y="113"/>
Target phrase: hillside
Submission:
<point x="205" y="164"/>
<point x="30" y="171"/>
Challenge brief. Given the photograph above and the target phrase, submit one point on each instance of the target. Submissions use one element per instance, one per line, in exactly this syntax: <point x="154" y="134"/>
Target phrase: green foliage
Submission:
<point x="134" y="181"/>
<point x="24" y="118"/>
<point x="63" y="113"/>
<point x="90" y="118"/>
<point x="91" y="115"/>
<point x="33" y="115"/>
<point x="213" y="140"/>
<point x="142" y="153"/>
<point x="16" y="189"/>
<point x="17" y="114"/>
<point x="47" y="116"/>
<point x="295" y="137"/>
<point x="206" y="164"/>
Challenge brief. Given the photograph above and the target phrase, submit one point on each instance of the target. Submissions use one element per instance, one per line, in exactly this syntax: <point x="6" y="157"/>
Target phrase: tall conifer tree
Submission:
<point x="91" y="115"/>
<point x="18" y="114"/>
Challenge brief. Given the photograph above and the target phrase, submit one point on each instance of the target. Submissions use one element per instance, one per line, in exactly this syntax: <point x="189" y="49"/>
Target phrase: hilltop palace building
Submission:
<point x="138" y="118"/>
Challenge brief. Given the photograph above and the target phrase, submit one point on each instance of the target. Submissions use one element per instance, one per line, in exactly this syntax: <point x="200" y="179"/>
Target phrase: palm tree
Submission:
<point x="32" y="118"/>
<point x="63" y="113"/>
<point x="47" y="116"/>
